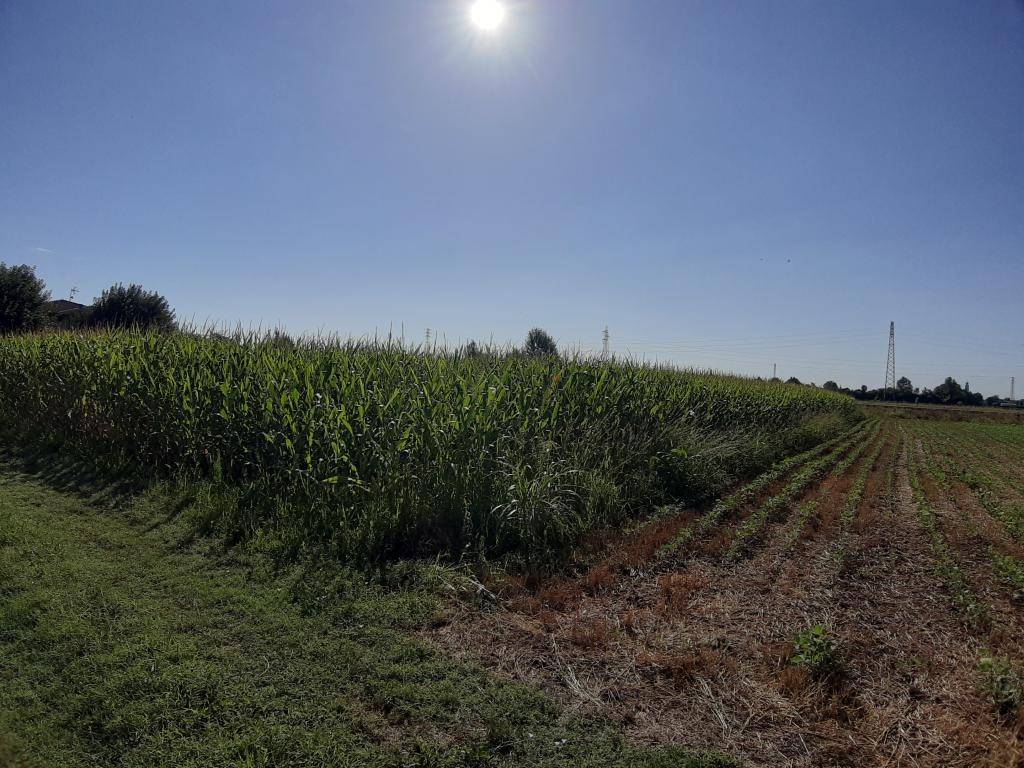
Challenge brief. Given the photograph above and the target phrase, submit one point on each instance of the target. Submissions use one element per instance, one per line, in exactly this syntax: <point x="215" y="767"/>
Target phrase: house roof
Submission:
<point x="61" y="306"/>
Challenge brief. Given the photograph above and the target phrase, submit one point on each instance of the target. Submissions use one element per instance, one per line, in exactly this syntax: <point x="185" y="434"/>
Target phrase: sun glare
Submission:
<point x="487" y="14"/>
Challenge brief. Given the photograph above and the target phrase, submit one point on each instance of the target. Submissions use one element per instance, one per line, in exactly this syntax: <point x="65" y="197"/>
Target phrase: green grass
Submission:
<point x="378" y="452"/>
<point x="124" y="642"/>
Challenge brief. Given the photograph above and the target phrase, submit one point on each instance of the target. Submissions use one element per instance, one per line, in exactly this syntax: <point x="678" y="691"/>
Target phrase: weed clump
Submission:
<point x="1004" y="683"/>
<point x="815" y="650"/>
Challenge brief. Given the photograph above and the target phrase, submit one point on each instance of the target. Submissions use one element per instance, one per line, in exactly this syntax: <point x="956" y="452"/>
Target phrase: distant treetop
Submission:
<point x="22" y="296"/>
<point x="132" y="306"/>
<point x="539" y="342"/>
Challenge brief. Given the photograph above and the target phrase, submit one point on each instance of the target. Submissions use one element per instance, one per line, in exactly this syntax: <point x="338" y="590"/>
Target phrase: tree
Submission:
<point x="792" y="380"/>
<point x="539" y="342"/>
<point x="904" y="386"/>
<point x="831" y="386"/>
<point x="949" y="391"/>
<point x="22" y="296"/>
<point x="279" y="339"/>
<point x="132" y="306"/>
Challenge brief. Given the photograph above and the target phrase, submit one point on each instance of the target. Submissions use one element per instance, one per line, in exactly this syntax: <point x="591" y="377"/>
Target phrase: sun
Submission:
<point x="487" y="15"/>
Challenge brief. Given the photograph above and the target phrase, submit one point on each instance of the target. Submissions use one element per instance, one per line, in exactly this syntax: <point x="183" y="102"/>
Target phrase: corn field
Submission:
<point x="379" y="451"/>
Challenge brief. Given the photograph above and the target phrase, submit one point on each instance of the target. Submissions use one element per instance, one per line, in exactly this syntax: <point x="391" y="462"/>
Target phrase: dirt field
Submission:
<point x="862" y="605"/>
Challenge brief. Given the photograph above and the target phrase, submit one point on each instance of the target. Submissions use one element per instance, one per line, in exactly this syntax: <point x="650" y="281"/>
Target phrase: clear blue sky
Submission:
<point x="723" y="184"/>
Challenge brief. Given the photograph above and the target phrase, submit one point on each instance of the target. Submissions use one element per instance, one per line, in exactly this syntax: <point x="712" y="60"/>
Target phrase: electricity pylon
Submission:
<point x="890" y="365"/>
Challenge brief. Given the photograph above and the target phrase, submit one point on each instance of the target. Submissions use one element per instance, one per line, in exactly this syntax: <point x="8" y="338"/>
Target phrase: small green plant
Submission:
<point x="817" y="652"/>
<point x="1004" y="682"/>
<point x="1010" y="570"/>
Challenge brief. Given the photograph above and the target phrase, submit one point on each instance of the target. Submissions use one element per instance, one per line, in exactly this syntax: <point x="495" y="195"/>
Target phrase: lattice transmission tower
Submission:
<point x="890" y="364"/>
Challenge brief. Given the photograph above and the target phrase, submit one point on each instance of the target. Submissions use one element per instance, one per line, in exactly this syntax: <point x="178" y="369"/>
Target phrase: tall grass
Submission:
<point x="380" y="451"/>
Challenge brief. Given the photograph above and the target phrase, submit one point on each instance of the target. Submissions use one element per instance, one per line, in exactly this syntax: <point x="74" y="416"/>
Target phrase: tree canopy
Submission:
<point x="22" y="296"/>
<point x="132" y="306"/>
<point x="949" y="392"/>
<point x="539" y="342"/>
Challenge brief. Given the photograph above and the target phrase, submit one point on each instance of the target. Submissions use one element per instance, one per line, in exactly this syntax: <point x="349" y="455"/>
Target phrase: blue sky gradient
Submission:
<point x="722" y="184"/>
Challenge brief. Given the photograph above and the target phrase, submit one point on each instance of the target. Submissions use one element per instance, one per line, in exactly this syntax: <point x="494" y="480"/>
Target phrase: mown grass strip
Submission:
<point x="118" y="648"/>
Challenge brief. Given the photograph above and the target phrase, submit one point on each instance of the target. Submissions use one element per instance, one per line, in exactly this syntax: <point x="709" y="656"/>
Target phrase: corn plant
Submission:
<point x="379" y="451"/>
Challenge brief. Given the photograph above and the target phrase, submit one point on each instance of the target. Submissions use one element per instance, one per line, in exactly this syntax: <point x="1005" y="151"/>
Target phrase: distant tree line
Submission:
<point x="949" y="392"/>
<point x="539" y="343"/>
<point x="25" y="306"/>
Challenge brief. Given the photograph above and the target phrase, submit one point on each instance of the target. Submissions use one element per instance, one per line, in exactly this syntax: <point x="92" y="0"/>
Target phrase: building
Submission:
<point x="67" y="314"/>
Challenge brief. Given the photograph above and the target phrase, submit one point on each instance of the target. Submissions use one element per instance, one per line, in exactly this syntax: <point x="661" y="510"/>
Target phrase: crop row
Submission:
<point x="833" y="462"/>
<point x="1007" y="566"/>
<point x="946" y="565"/>
<point x="960" y="456"/>
<point x="856" y="493"/>
<point x="749" y="492"/>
